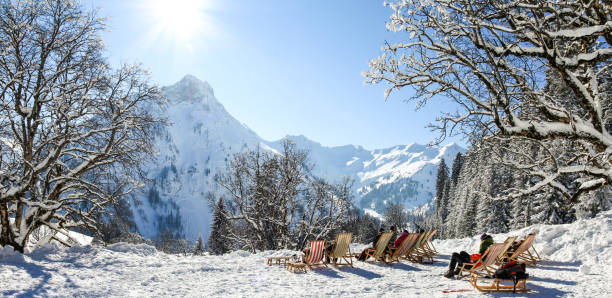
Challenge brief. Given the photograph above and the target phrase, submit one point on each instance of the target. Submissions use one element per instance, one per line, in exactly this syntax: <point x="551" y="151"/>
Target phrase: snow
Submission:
<point x="577" y="260"/>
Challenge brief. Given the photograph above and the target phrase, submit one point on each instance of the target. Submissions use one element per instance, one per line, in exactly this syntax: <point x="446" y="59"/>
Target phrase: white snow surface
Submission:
<point x="577" y="260"/>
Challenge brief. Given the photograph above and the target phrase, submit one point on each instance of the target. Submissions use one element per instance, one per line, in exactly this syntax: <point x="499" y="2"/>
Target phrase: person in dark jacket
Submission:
<point x="458" y="259"/>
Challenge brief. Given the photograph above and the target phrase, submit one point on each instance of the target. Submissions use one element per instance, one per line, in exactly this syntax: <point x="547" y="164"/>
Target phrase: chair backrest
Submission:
<point x="492" y="253"/>
<point x="421" y="239"/>
<point x="316" y="252"/>
<point x="433" y="232"/>
<point x="382" y="243"/>
<point x="407" y="244"/>
<point x="343" y="240"/>
<point x="525" y="245"/>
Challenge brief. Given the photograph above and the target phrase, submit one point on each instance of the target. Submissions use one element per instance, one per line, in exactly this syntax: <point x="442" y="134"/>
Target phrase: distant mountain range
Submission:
<point x="203" y="136"/>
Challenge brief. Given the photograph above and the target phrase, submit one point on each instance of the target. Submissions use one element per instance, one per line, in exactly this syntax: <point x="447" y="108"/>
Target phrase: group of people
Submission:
<point x="456" y="261"/>
<point x="394" y="242"/>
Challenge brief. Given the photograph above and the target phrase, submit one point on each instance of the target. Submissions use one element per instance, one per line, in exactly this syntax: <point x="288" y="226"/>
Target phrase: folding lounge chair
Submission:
<point x="487" y="267"/>
<point x="472" y="267"/>
<point x="315" y="257"/>
<point x="523" y="253"/>
<point x="342" y="250"/>
<point x="418" y="254"/>
<point x="379" y="252"/>
<point x="404" y="248"/>
<point x="429" y="245"/>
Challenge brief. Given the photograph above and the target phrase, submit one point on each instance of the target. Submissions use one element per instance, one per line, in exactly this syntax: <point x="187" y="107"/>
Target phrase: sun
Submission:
<point x="184" y="21"/>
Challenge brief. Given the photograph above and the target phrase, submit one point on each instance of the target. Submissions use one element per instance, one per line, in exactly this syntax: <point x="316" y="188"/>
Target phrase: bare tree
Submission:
<point x="324" y="208"/>
<point x="262" y="190"/>
<point x="495" y="60"/>
<point x="72" y="132"/>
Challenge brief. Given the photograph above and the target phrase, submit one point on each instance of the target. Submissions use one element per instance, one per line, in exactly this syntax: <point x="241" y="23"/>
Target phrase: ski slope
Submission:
<point x="577" y="264"/>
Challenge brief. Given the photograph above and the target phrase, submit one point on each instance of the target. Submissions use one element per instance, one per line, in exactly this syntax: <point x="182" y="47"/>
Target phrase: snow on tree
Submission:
<point x="277" y="203"/>
<point x="69" y="125"/>
<point x="395" y="215"/>
<point x="494" y="59"/>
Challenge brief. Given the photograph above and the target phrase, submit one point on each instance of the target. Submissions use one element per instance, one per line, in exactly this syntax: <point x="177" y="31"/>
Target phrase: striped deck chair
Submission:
<point x="487" y="267"/>
<point x="466" y="267"/>
<point x="379" y="252"/>
<point x="314" y="258"/>
<point x="523" y="252"/>
<point x="342" y="250"/>
<point x="405" y="247"/>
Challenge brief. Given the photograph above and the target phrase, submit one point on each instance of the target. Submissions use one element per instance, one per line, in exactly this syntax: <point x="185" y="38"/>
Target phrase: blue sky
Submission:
<point x="280" y="67"/>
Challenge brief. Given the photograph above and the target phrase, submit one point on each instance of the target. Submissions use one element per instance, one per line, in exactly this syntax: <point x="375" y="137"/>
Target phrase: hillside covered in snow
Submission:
<point x="202" y="137"/>
<point x="577" y="259"/>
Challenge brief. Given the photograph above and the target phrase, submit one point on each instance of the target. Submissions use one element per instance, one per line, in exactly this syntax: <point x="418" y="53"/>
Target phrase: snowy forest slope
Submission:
<point x="202" y="137"/>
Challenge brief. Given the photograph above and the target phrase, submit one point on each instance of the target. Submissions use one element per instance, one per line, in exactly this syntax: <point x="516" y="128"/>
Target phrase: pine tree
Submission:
<point x="199" y="247"/>
<point x="220" y="228"/>
<point x="457" y="165"/>
<point x="441" y="179"/>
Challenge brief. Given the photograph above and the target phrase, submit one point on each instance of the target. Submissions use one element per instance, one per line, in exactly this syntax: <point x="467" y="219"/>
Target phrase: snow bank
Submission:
<point x="136" y="249"/>
<point x="9" y="255"/>
<point x="577" y="261"/>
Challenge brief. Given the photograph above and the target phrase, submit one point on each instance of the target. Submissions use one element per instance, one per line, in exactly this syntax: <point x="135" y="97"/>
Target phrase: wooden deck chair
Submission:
<point x="522" y="253"/>
<point x="487" y="267"/>
<point x="467" y="267"/>
<point x="429" y="245"/>
<point x="342" y="250"/>
<point x="404" y="247"/>
<point x="418" y="254"/>
<point x="378" y="253"/>
<point x="314" y="258"/>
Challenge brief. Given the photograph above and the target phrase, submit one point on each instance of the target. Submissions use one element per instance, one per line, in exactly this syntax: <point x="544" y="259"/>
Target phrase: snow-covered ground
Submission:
<point x="577" y="264"/>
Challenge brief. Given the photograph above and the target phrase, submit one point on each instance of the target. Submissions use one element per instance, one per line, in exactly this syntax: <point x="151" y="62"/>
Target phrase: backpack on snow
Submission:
<point x="512" y="270"/>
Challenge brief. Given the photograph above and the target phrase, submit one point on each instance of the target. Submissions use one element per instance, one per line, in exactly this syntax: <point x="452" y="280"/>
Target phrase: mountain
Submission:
<point x="203" y="136"/>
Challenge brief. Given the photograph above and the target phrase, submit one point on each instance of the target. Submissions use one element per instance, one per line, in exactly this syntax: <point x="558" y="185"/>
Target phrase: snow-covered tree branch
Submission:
<point x="69" y="125"/>
<point x="516" y="69"/>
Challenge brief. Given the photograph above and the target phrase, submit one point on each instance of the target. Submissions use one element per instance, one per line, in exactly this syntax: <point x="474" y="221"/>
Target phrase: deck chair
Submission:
<point x="429" y="245"/>
<point x="404" y="247"/>
<point x="342" y="250"/>
<point x="524" y="252"/>
<point x="487" y="267"/>
<point x="418" y="254"/>
<point x="378" y="253"/>
<point x="314" y="258"/>
<point x="467" y="267"/>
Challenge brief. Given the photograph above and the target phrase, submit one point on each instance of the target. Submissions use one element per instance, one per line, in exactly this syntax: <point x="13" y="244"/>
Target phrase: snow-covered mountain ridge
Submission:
<point x="203" y="136"/>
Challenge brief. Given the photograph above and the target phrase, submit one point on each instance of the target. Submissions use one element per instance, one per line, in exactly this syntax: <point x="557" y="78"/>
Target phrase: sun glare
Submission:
<point x="181" y="20"/>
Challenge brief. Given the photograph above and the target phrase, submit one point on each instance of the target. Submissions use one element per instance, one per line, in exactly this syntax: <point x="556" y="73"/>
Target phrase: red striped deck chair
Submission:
<point x="315" y="257"/>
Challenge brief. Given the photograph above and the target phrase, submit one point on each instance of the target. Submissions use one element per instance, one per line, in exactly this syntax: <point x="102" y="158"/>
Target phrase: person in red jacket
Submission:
<point x="396" y="244"/>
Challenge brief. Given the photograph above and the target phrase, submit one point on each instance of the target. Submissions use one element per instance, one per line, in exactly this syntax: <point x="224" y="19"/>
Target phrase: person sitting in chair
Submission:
<point x="362" y="256"/>
<point x="458" y="259"/>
